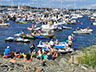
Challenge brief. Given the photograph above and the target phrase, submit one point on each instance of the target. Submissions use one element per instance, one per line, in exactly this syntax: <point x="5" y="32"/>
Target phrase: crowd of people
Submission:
<point x="41" y="54"/>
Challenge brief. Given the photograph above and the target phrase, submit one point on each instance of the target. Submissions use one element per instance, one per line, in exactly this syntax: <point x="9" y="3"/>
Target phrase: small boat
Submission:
<point x="21" y="40"/>
<point x="42" y="37"/>
<point x="27" y="37"/>
<point x="65" y="27"/>
<point x="94" y="23"/>
<point x="83" y="31"/>
<point x="24" y="22"/>
<point x="9" y="39"/>
<point x="61" y="48"/>
<point x="5" y="24"/>
<point x="18" y="34"/>
<point x="50" y="36"/>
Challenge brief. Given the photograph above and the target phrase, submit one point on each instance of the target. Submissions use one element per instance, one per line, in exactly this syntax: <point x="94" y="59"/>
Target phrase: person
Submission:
<point x="18" y="54"/>
<point x="70" y="43"/>
<point x="28" y="58"/>
<point x="39" y="54"/>
<point x="32" y="48"/>
<point x="72" y="35"/>
<point x="51" y="42"/>
<point x="44" y="56"/>
<point x="88" y="28"/>
<point x="56" y="42"/>
<point x="13" y="59"/>
<point x="78" y="28"/>
<point x="7" y="52"/>
<point x="69" y="37"/>
<point x="3" y="22"/>
<point x="53" y="52"/>
<point x="23" y="33"/>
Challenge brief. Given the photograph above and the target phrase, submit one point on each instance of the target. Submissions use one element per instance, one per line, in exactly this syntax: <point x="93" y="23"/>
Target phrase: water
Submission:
<point x="80" y="41"/>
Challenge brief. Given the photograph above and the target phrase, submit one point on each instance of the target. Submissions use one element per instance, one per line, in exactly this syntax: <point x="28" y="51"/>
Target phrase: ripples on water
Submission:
<point x="80" y="41"/>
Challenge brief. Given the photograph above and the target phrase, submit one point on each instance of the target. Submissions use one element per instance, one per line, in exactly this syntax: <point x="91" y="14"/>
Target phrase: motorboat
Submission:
<point x="5" y="24"/>
<point x="21" y="40"/>
<point x="94" y="23"/>
<point x="83" y="31"/>
<point x="62" y="47"/>
<point x="9" y="39"/>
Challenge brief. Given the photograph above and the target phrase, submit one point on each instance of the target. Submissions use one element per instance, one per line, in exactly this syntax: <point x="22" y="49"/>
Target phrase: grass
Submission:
<point x="90" y="56"/>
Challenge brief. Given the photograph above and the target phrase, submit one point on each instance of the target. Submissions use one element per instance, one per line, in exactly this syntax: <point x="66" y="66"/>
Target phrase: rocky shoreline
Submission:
<point x="62" y="64"/>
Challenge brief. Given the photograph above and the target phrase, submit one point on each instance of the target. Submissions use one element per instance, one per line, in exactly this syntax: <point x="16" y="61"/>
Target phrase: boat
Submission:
<point x="42" y="37"/>
<point x="9" y="39"/>
<point x="48" y="35"/>
<point x="18" y="34"/>
<point x="65" y="27"/>
<point x="5" y="24"/>
<point x="21" y="40"/>
<point x="94" y="23"/>
<point x="24" y="22"/>
<point x="27" y="37"/>
<point x="62" y="47"/>
<point x="83" y="31"/>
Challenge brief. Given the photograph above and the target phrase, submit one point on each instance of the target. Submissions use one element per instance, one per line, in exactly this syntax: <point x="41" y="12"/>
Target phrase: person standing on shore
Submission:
<point x="32" y="48"/>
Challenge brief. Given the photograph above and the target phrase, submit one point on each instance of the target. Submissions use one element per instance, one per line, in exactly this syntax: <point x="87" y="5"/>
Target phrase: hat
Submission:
<point x="8" y="46"/>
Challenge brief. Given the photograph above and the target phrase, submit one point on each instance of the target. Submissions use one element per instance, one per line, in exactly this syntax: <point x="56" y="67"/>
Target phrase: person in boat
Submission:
<point x="22" y="33"/>
<point x="28" y="58"/>
<point x="51" y="42"/>
<point x="13" y="59"/>
<point x="70" y="43"/>
<point x="88" y="28"/>
<point x="53" y="52"/>
<point x="47" y="45"/>
<point x="40" y="33"/>
<point x="7" y="52"/>
<point x="56" y="42"/>
<point x="78" y="28"/>
<point x="70" y="37"/>
<point x="32" y="48"/>
<point x="3" y="22"/>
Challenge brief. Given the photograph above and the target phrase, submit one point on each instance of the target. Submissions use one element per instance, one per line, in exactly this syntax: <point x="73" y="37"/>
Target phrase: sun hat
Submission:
<point x="8" y="46"/>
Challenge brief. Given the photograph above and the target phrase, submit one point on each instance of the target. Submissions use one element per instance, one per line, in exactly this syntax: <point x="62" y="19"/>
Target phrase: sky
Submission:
<point x="69" y="4"/>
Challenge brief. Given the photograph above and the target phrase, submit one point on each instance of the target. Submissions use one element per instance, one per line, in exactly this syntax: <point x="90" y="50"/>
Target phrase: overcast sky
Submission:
<point x="90" y="4"/>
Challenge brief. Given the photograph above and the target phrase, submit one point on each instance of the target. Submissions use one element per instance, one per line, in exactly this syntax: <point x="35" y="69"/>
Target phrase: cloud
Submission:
<point x="91" y="6"/>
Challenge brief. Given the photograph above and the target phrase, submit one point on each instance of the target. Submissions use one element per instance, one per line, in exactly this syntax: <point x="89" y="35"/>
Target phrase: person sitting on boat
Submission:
<point x="88" y="28"/>
<point x="51" y="42"/>
<point x="28" y="57"/>
<point x="47" y="45"/>
<point x="70" y="37"/>
<point x="3" y="22"/>
<point x="56" y="42"/>
<point x="53" y="52"/>
<point x="78" y="28"/>
<point x="23" y="33"/>
<point x="40" y="33"/>
<point x="7" y="52"/>
<point x="70" y="43"/>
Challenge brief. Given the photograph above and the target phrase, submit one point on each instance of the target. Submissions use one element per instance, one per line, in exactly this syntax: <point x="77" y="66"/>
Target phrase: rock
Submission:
<point x="85" y="67"/>
<point x="63" y="62"/>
